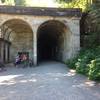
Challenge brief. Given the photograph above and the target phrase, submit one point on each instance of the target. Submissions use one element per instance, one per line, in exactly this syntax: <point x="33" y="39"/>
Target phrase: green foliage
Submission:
<point x="91" y="34"/>
<point x="94" y="72"/>
<point x="94" y="14"/>
<point x="8" y="2"/>
<point x="91" y="40"/>
<point x="84" y="4"/>
<point x="83" y="61"/>
<point x="65" y="1"/>
<point x="2" y="1"/>
<point x="20" y="2"/>
<point x="85" y="64"/>
<point x="14" y="2"/>
<point x="71" y="63"/>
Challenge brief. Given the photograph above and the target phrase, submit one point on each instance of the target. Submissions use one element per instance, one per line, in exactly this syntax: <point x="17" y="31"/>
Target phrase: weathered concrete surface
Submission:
<point x="25" y="27"/>
<point x="48" y="81"/>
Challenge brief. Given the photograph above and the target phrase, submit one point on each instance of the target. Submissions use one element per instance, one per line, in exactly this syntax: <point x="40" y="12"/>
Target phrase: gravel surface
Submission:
<point x="47" y="81"/>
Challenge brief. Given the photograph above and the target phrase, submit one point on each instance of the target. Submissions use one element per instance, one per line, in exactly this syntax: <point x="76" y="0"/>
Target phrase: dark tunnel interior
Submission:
<point x="49" y="41"/>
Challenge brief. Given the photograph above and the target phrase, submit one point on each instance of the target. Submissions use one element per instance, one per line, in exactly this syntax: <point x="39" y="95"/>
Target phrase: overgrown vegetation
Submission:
<point x="95" y="15"/>
<point x="87" y="63"/>
<point x="14" y="2"/>
<point x="88" y="60"/>
<point x="94" y="72"/>
<point x="84" y="4"/>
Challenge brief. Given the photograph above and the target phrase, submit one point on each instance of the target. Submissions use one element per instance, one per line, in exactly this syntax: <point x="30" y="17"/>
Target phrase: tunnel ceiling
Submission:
<point x="18" y="26"/>
<point x="54" y="28"/>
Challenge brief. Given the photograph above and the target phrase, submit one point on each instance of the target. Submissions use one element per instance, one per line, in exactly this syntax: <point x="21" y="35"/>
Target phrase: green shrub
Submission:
<point x="71" y="63"/>
<point x="83" y="61"/>
<point x="85" y="64"/>
<point x="94" y="71"/>
<point x="81" y="66"/>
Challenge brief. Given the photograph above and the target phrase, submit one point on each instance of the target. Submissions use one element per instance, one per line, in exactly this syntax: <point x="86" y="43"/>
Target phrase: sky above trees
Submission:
<point x="45" y="3"/>
<point x="50" y="3"/>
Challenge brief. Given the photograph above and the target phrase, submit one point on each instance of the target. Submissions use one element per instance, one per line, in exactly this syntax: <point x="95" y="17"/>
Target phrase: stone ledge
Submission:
<point x="41" y="11"/>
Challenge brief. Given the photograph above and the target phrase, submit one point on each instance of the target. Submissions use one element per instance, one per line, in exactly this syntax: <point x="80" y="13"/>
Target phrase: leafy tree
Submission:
<point x="20" y="2"/>
<point x="14" y="2"/>
<point x="84" y="4"/>
<point x="8" y="2"/>
<point x="90" y="26"/>
<point x="95" y="14"/>
<point x="2" y="1"/>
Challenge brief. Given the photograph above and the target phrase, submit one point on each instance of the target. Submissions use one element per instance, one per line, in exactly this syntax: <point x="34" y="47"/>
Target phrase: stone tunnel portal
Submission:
<point x="20" y="34"/>
<point x="50" y="40"/>
<point x="46" y="36"/>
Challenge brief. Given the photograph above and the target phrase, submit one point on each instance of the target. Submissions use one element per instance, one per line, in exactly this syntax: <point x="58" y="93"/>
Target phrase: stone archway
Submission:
<point x="19" y="33"/>
<point x="53" y="37"/>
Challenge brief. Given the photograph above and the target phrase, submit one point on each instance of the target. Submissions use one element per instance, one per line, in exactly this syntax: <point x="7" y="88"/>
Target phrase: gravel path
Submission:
<point x="48" y="81"/>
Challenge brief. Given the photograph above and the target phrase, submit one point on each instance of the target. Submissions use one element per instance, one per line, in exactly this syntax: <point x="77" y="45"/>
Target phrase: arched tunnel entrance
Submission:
<point x="50" y="40"/>
<point x="19" y="33"/>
